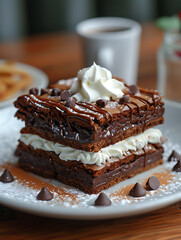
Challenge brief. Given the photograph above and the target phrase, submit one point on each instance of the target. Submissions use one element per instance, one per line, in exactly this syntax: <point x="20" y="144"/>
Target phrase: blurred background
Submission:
<point x="20" y="18"/>
<point x="41" y="33"/>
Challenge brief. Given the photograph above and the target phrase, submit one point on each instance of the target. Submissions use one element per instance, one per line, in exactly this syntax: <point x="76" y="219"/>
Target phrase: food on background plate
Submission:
<point x="92" y="136"/>
<point x="12" y="80"/>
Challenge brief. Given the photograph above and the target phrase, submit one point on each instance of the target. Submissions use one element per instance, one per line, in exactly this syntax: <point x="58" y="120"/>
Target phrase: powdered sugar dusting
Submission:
<point x="70" y="197"/>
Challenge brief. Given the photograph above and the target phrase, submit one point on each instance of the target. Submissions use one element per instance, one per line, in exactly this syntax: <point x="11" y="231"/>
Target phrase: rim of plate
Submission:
<point x="96" y="213"/>
<point x="93" y="213"/>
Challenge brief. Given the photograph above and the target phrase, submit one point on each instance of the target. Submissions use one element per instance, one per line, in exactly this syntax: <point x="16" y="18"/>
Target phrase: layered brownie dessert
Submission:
<point x="92" y="136"/>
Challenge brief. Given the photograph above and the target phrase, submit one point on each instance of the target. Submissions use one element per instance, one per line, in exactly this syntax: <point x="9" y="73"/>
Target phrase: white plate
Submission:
<point x="21" y="198"/>
<point x="40" y="80"/>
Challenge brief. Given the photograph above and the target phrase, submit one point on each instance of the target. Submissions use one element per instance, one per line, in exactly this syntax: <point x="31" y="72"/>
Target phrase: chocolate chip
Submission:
<point x="70" y="102"/>
<point x="153" y="183"/>
<point x="101" y="103"/>
<point x="133" y="89"/>
<point x="137" y="191"/>
<point x="65" y="95"/>
<point x="177" y="167"/>
<point x="44" y="195"/>
<point x="34" y="91"/>
<point x="124" y="99"/>
<point x="102" y="200"/>
<point x="55" y="92"/>
<point x="44" y="91"/>
<point x="174" y="156"/>
<point x="163" y="139"/>
<point x="6" y="177"/>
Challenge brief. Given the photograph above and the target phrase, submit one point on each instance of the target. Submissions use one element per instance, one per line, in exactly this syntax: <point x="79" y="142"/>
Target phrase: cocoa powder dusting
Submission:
<point x="27" y="180"/>
<point x="165" y="177"/>
<point x="122" y="193"/>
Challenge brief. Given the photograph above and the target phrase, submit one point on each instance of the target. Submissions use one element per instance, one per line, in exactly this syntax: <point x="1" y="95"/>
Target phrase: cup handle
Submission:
<point x="105" y="57"/>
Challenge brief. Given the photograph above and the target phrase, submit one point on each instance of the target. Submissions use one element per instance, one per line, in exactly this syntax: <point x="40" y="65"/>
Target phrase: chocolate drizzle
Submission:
<point x="138" y="108"/>
<point x="82" y="121"/>
<point x="92" y="112"/>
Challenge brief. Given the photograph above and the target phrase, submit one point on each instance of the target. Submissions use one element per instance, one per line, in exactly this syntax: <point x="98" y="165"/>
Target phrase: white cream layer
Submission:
<point x="119" y="149"/>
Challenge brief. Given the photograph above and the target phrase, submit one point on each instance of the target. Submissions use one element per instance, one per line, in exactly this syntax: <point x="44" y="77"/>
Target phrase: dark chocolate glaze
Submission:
<point x="86" y="122"/>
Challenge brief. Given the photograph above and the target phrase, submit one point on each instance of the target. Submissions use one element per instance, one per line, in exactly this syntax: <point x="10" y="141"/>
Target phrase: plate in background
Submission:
<point x="40" y="80"/>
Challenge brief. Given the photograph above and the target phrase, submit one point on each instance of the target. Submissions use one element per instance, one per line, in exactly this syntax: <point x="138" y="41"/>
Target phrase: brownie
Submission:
<point x="89" y="178"/>
<point x="94" y="134"/>
<point x="85" y="125"/>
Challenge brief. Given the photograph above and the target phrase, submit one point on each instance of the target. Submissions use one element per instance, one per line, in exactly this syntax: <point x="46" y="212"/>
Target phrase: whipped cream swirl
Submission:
<point x="94" y="83"/>
<point x="100" y="158"/>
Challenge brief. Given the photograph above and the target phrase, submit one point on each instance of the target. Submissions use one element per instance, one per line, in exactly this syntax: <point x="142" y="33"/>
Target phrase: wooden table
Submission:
<point x="60" y="56"/>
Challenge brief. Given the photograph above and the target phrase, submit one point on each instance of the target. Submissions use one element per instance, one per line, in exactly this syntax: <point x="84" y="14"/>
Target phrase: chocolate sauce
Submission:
<point x="90" y="110"/>
<point x="86" y="122"/>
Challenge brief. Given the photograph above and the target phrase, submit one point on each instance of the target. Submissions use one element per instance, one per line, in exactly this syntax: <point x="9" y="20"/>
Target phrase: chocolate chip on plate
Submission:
<point x="44" y="91"/>
<point x="6" y="177"/>
<point x="70" y="102"/>
<point x="174" y="156"/>
<point x="177" y="167"/>
<point x="65" y="95"/>
<point x="133" y="89"/>
<point x="101" y="103"/>
<point x="124" y="99"/>
<point x="137" y="191"/>
<point x="102" y="200"/>
<point x="153" y="183"/>
<point x="34" y="91"/>
<point x="55" y="92"/>
<point x="163" y="139"/>
<point x="44" y="195"/>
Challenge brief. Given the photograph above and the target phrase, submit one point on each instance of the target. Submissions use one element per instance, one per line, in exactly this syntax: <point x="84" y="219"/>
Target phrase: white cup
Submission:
<point x="106" y="43"/>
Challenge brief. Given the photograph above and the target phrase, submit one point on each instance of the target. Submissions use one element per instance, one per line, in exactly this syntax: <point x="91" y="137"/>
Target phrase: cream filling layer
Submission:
<point x="119" y="150"/>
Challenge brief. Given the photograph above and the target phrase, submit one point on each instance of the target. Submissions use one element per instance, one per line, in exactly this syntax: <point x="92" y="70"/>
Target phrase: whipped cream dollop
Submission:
<point x="100" y="158"/>
<point x="94" y="83"/>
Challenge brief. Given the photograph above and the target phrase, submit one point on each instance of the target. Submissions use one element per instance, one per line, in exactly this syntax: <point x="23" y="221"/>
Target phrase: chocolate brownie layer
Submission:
<point x="89" y="178"/>
<point x="86" y="126"/>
